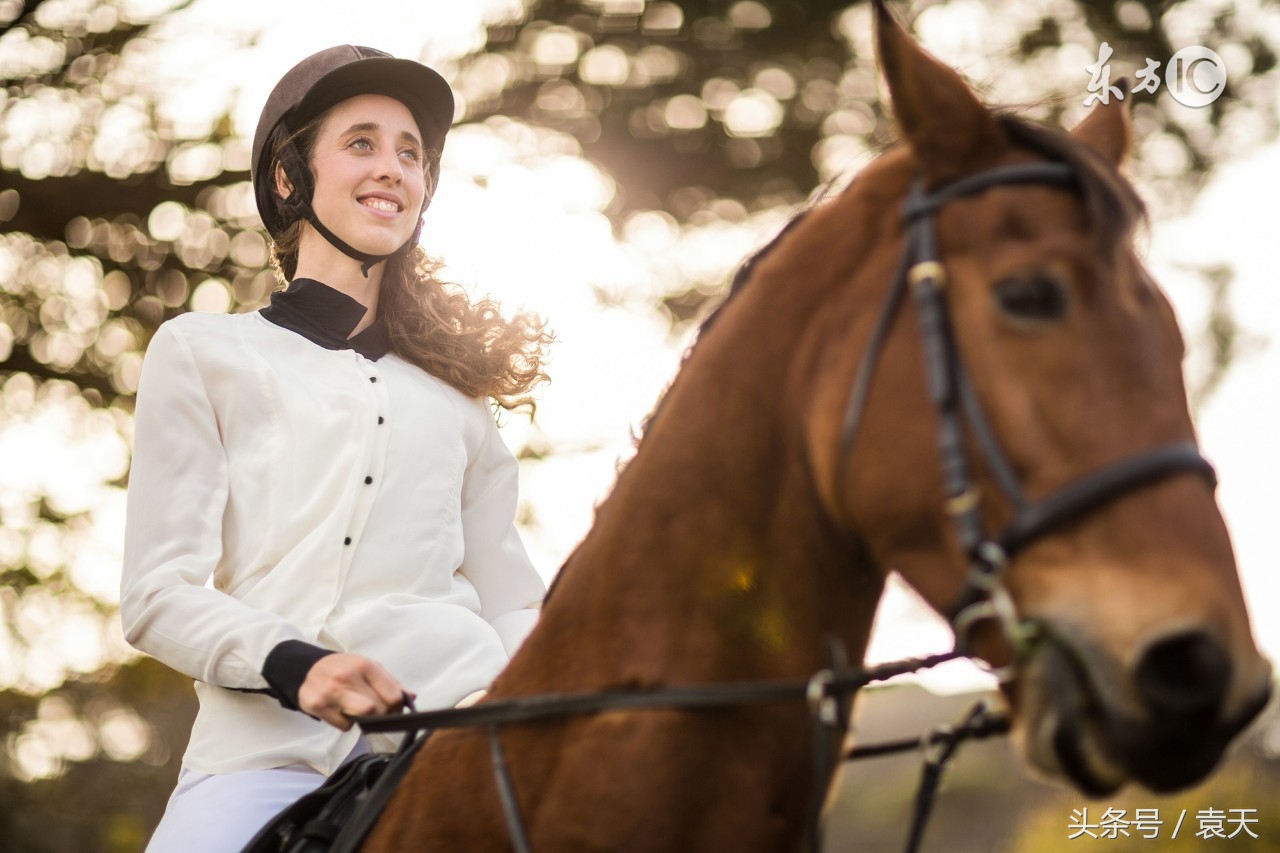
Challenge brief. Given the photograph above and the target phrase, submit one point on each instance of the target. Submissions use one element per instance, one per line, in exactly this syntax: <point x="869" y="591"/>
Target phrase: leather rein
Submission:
<point x="829" y="692"/>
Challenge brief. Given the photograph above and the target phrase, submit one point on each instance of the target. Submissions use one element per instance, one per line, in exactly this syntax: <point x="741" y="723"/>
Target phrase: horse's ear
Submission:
<point x="948" y="128"/>
<point x="1107" y="128"/>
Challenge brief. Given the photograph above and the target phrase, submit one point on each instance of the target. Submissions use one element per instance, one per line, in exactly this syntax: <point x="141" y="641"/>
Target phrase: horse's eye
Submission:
<point x="1038" y="295"/>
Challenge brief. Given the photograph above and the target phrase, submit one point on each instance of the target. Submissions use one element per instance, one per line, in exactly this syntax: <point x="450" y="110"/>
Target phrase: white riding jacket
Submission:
<point x="282" y="490"/>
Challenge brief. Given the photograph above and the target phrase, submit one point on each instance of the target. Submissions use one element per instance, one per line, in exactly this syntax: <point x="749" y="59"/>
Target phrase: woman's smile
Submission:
<point x="382" y="204"/>
<point x="368" y="151"/>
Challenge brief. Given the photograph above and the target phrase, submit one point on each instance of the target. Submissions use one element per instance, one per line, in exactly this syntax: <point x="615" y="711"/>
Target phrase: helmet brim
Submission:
<point x="330" y="77"/>
<point x="422" y="90"/>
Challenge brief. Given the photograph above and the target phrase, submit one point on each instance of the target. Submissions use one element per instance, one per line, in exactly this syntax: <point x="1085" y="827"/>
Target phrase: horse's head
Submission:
<point x="1119" y="616"/>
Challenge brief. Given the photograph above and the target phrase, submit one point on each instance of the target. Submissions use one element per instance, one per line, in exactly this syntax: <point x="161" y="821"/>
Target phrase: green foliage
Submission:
<point x="105" y="752"/>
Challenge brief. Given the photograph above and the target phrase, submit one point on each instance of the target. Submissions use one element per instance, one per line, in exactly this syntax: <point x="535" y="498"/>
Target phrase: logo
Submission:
<point x="1195" y="76"/>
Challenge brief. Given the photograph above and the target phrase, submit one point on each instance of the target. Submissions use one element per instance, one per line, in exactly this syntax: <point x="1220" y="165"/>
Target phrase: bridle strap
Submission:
<point x="998" y="464"/>
<point x="936" y="757"/>
<point x="1079" y="497"/>
<point x="507" y="794"/>
<point x="919" y="204"/>
<point x="867" y="365"/>
<point x="920" y="208"/>
<point x="829" y="716"/>
<point x="1067" y="504"/>
<point x="960" y="416"/>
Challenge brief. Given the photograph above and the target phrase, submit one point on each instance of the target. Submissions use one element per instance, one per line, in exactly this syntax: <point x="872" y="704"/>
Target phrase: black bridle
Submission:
<point x="982" y="597"/>
<point x="956" y="404"/>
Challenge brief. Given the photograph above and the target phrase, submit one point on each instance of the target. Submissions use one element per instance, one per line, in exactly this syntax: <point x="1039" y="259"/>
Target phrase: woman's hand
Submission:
<point x="341" y="686"/>
<point x="471" y="699"/>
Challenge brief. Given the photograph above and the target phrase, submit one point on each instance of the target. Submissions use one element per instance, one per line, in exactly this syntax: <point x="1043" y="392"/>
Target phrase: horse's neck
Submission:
<point x="712" y="559"/>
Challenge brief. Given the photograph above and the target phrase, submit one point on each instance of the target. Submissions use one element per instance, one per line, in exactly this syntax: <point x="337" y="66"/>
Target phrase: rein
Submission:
<point x="828" y="692"/>
<point x="823" y="685"/>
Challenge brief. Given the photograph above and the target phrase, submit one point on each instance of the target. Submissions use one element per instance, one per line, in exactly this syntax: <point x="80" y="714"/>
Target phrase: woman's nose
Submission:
<point x="389" y="167"/>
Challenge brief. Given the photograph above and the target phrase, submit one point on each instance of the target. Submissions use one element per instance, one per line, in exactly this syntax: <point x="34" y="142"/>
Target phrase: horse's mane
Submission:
<point x="1114" y="209"/>
<point x="1113" y="206"/>
<point x="736" y="284"/>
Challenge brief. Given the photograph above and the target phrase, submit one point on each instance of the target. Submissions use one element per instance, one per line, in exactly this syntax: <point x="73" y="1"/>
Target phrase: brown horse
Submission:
<point x="754" y="523"/>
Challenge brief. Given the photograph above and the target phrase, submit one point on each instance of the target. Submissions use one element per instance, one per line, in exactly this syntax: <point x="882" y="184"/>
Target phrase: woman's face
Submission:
<point x="370" y="179"/>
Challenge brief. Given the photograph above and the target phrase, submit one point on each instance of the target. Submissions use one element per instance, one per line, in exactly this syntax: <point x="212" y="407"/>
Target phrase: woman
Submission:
<point x="320" y="510"/>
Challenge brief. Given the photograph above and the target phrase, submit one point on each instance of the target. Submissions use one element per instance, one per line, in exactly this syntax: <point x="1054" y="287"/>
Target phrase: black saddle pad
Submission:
<point x="337" y="816"/>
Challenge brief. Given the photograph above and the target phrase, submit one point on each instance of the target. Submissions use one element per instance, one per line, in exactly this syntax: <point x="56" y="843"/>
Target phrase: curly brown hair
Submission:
<point x="434" y="324"/>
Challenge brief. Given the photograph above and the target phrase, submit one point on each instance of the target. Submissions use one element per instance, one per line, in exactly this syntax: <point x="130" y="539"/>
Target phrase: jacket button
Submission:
<point x="368" y="480"/>
<point x="379" y="418"/>
<point x="373" y="379"/>
<point x="346" y="541"/>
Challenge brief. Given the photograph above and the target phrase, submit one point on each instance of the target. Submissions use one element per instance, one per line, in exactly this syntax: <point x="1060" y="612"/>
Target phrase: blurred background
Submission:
<point x="611" y="162"/>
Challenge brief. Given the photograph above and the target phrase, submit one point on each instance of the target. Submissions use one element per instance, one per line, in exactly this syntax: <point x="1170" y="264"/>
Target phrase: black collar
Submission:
<point x="326" y="317"/>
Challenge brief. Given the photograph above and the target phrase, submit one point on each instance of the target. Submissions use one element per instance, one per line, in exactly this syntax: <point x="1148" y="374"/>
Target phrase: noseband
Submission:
<point x="984" y="595"/>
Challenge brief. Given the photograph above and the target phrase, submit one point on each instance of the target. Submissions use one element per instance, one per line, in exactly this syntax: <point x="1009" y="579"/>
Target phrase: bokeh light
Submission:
<point x="546" y="202"/>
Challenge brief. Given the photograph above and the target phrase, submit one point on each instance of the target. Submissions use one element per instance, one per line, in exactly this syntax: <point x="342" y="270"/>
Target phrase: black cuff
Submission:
<point x="286" y="667"/>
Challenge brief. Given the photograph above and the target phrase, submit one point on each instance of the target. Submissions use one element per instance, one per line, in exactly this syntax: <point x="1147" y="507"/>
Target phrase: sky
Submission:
<point x="527" y="192"/>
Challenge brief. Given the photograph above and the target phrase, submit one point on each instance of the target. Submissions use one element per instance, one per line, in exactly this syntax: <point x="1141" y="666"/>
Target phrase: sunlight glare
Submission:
<point x="95" y="567"/>
<point x="522" y="216"/>
<point x="604" y="66"/>
<point x="124" y="735"/>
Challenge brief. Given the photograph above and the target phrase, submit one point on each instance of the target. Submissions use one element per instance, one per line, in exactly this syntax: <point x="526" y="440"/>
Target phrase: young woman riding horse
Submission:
<point x="958" y="370"/>
<point x="330" y="463"/>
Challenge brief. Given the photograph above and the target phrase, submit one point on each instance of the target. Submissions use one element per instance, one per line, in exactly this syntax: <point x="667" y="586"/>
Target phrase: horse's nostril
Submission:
<point x="1185" y="675"/>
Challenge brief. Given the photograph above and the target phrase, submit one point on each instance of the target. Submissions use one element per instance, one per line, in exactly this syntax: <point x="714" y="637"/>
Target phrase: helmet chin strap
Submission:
<point x="297" y="205"/>
<point x="367" y="261"/>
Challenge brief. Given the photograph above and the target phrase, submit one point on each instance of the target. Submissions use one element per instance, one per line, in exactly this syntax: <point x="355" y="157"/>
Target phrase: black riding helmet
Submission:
<point x="314" y="85"/>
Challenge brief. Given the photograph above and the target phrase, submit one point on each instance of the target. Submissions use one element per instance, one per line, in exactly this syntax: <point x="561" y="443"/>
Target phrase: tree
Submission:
<point x="119" y="213"/>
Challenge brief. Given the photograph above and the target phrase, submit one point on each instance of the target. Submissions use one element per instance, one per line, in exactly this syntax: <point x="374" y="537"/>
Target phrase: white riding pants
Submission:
<point x="222" y="813"/>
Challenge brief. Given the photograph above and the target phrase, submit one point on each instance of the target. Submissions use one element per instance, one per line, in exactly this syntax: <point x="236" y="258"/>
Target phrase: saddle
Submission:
<point x="337" y="816"/>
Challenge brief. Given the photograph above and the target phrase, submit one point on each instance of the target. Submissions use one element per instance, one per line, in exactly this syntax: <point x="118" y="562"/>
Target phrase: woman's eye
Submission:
<point x="361" y="142"/>
<point x="1039" y="295"/>
<point x="411" y="154"/>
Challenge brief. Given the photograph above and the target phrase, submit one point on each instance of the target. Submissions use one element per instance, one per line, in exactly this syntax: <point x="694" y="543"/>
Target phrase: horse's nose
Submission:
<point x="1184" y="677"/>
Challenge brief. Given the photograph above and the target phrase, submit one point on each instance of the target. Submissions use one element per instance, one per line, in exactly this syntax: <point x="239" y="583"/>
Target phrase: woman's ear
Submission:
<point x="284" y="187"/>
